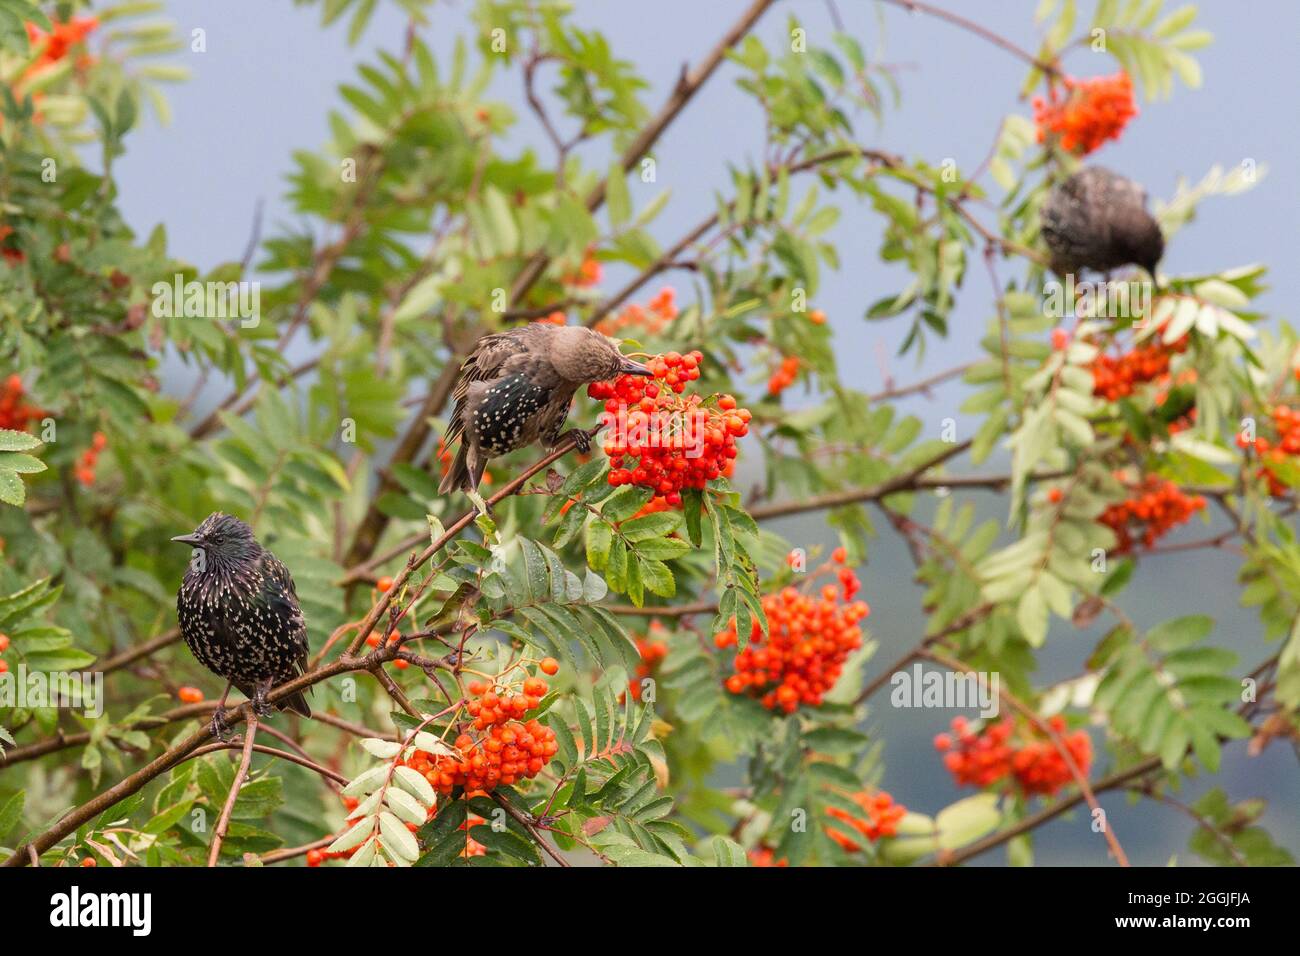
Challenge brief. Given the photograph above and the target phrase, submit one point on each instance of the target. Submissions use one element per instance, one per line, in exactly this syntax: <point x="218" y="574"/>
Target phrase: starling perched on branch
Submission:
<point x="238" y="612"/>
<point x="1098" y="220"/>
<point x="516" y="387"/>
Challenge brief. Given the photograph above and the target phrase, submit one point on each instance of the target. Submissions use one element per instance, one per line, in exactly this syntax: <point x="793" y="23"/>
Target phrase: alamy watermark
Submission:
<point x="946" y="690"/>
<point x="72" y="690"/>
<point x="208" y="300"/>
<point x="1104" y="300"/>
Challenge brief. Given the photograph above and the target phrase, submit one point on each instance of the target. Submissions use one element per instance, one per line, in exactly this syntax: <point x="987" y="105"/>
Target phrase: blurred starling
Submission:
<point x="1098" y="220"/>
<point x="516" y="387"/>
<point x="239" y="614"/>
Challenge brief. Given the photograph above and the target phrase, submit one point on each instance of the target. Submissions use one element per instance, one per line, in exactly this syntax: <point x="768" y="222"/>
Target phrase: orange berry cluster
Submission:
<point x="14" y="412"/>
<point x="652" y="652"/>
<point x="881" y="819"/>
<point x="672" y="426"/>
<point x="1034" y="765"/>
<point x="89" y="458"/>
<point x="784" y="376"/>
<point x="1156" y="507"/>
<point x="588" y="274"/>
<point x="1114" y="378"/>
<point x="652" y="318"/>
<point x="509" y="751"/>
<point x="1091" y="112"/>
<point x="809" y="639"/>
<point x="4" y="646"/>
<point x="762" y="856"/>
<point x="54" y="46"/>
<point x="1286" y="420"/>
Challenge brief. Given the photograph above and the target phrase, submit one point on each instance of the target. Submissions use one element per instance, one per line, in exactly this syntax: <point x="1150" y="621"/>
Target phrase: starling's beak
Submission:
<point x="634" y="368"/>
<point x="190" y="539"/>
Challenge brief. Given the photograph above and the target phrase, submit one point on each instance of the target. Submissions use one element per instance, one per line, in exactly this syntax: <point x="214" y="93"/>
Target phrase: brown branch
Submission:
<point x="916" y="6"/>
<point x="289" y="853"/>
<point x="132" y="654"/>
<point x="301" y="761"/>
<point x="62" y="741"/>
<point x="223" y="822"/>
<point x="687" y="86"/>
<point x="681" y="610"/>
<point x="531" y="828"/>
<point x="901" y="482"/>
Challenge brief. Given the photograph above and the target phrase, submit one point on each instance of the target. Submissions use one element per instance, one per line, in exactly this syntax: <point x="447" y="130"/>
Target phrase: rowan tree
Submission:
<point x="570" y="674"/>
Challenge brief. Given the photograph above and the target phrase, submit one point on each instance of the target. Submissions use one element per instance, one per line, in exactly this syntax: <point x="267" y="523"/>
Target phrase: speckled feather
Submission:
<point x="516" y="388"/>
<point x="239" y="614"/>
<point x="1098" y="220"/>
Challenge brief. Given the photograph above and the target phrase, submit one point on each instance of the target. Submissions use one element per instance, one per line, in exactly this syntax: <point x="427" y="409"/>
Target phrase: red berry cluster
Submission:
<point x="1286" y="422"/>
<point x="89" y="458"/>
<point x="809" y="639"/>
<point x="4" y="646"/>
<point x="652" y="318"/>
<point x="14" y="412"/>
<point x="671" y="425"/>
<point x="652" y="652"/>
<point x="763" y="856"/>
<point x="1033" y="764"/>
<point x="509" y="750"/>
<point x="1091" y="112"/>
<point x="588" y="274"/>
<point x="881" y="819"/>
<point x="1156" y="506"/>
<point x="784" y="376"/>
<point x="1115" y="377"/>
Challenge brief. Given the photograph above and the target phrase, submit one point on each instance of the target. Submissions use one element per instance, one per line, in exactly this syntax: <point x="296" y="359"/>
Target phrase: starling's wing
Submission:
<point x="282" y="599"/>
<point x="484" y="364"/>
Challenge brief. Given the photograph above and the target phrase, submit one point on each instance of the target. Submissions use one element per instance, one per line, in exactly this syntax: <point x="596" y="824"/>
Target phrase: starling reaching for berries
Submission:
<point x="239" y="614"/>
<point x="516" y="387"/>
<point x="1098" y="220"/>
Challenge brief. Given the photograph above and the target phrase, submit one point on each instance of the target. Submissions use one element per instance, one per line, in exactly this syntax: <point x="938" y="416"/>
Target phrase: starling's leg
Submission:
<point x="260" y="705"/>
<point x="221" y="729"/>
<point x="581" y="439"/>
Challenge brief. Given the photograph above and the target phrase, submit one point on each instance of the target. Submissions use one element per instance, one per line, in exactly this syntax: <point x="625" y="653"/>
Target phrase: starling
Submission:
<point x="239" y="614"/>
<point x="516" y="387"/>
<point x="1098" y="220"/>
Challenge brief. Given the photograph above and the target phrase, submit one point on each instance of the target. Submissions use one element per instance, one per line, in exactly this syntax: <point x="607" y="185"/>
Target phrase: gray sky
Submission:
<point x="263" y="88"/>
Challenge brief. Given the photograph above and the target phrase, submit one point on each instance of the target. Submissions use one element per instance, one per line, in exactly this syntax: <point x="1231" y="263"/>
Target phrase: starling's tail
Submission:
<point x="297" y="703"/>
<point x="457" y="477"/>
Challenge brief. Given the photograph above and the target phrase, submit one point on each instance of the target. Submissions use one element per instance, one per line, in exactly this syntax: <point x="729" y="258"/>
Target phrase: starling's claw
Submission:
<point x="581" y="440"/>
<point x="219" y="726"/>
<point x="260" y="705"/>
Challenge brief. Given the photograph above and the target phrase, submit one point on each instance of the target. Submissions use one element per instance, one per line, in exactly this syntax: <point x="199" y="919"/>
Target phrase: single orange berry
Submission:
<point x="189" y="695"/>
<point x="549" y="666"/>
<point x="384" y="584"/>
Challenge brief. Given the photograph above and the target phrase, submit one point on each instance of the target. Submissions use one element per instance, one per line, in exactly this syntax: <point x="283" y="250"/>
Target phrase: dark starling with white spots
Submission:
<point x="239" y="614"/>
<point x="516" y="388"/>
<point x="1098" y="220"/>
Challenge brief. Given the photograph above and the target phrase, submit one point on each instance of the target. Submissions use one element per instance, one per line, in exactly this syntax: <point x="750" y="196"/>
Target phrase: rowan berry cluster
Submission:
<point x="1089" y="113"/>
<point x="763" y="856"/>
<point x="660" y="439"/>
<point x="1031" y="763"/>
<point x="1155" y="507"/>
<point x="809" y="639"/>
<point x="507" y="748"/>
<point x="1286" y="422"/>
<point x="1116" y="377"/>
<point x="89" y="458"/>
<point x="881" y="816"/>
<point x="784" y="375"/>
<point x="651" y="318"/>
<point x="588" y="274"/>
<point x="15" y="413"/>
<point x="652" y="652"/>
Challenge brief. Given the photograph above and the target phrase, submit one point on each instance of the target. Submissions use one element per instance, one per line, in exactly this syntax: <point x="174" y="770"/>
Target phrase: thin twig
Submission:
<point x="223" y="822"/>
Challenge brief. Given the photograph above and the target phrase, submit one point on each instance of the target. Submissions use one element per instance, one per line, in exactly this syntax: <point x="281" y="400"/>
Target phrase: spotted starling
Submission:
<point x="1098" y="220"/>
<point x="239" y="614"/>
<point x="516" y="387"/>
